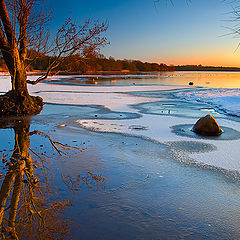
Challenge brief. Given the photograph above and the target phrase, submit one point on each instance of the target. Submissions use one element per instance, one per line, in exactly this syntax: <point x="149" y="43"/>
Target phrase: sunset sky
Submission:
<point x="139" y="29"/>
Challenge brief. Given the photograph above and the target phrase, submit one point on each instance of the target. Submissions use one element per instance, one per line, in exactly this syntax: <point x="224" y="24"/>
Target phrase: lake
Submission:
<point x="109" y="159"/>
<point x="204" y="79"/>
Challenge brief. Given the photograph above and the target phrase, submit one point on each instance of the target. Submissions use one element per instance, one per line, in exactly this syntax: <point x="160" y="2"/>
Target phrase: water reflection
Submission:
<point x="28" y="205"/>
<point x="207" y="79"/>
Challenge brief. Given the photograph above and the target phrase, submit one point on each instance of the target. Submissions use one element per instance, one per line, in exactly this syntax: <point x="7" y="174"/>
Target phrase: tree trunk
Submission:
<point x="18" y="101"/>
<point x="19" y="77"/>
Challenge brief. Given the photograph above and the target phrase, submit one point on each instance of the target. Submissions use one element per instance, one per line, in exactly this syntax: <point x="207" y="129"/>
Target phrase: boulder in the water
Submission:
<point x="207" y="126"/>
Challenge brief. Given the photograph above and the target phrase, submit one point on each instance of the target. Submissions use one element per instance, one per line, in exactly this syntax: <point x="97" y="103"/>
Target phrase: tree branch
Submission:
<point x="7" y="23"/>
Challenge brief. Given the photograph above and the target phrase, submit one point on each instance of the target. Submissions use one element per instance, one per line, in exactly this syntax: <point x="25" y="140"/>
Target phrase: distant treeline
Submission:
<point x="78" y="64"/>
<point x="82" y="65"/>
<point x="205" y="68"/>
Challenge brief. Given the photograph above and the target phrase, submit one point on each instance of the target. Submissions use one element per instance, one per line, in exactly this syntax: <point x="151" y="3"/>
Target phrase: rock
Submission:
<point x="190" y="83"/>
<point x="137" y="127"/>
<point x="207" y="126"/>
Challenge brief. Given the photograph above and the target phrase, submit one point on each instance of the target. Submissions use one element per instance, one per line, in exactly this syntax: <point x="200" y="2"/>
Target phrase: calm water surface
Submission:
<point x="205" y="79"/>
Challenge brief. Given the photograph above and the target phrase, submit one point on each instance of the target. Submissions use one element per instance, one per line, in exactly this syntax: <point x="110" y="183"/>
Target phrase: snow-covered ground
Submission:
<point x="155" y="127"/>
<point x="227" y="100"/>
<point x="159" y="128"/>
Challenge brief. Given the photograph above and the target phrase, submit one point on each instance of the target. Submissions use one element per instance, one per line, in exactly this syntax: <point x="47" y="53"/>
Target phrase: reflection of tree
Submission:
<point x="90" y="179"/>
<point x="29" y="214"/>
<point x="25" y="209"/>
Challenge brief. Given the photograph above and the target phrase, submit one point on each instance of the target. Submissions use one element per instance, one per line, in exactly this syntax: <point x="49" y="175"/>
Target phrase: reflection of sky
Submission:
<point x="147" y="189"/>
<point x="203" y="79"/>
<point x="178" y="34"/>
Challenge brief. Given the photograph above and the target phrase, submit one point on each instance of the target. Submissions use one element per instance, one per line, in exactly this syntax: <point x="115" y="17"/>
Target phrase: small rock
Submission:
<point x="207" y="126"/>
<point x="137" y="127"/>
<point x="190" y="83"/>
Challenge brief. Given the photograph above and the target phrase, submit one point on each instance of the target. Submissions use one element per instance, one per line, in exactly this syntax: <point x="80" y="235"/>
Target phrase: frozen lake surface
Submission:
<point x="160" y="180"/>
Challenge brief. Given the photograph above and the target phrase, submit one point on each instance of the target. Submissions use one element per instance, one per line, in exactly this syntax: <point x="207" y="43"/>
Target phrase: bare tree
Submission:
<point x="23" y="27"/>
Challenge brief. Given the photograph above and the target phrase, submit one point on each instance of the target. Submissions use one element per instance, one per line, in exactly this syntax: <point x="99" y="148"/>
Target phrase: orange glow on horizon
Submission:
<point x="223" y="58"/>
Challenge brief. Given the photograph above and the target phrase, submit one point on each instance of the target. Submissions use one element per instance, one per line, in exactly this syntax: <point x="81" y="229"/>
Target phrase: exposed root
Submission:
<point x="18" y="103"/>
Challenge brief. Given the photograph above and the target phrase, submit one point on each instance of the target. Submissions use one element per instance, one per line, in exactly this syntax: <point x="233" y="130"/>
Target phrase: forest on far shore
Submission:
<point x="100" y="63"/>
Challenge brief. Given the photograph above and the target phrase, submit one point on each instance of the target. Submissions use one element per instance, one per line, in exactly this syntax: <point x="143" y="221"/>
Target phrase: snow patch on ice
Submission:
<point x="155" y="127"/>
<point x="227" y="100"/>
<point x="158" y="128"/>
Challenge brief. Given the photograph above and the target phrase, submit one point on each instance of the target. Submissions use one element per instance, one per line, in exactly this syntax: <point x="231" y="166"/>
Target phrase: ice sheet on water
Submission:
<point x="146" y="188"/>
<point x="60" y="111"/>
<point x="177" y="108"/>
<point x="186" y="130"/>
<point x="226" y="100"/>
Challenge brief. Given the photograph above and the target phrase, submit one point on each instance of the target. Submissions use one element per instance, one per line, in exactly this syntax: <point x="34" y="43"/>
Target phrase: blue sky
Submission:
<point x="179" y="34"/>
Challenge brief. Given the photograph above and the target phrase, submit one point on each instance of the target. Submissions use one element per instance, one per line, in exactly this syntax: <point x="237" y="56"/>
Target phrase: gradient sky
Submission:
<point x="181" y="34"/>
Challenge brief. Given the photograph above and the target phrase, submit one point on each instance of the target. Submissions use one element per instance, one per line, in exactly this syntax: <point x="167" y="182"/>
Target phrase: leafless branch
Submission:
<point x="70" y="39"/>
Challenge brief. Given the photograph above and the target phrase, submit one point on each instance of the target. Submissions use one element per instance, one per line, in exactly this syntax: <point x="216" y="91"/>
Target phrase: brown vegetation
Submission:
<point x="95" y="63"/>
